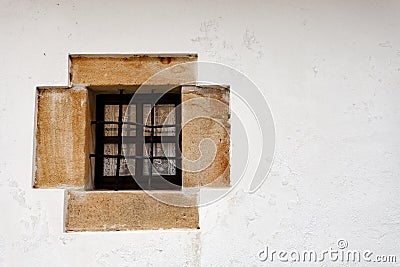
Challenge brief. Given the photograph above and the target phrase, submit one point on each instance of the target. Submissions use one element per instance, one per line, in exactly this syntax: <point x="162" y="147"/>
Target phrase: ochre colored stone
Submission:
<point x="128" y="210"/>
<point x="62" y="138"/>
<point x="205" y="136"/>
<point x="104" y="70"/>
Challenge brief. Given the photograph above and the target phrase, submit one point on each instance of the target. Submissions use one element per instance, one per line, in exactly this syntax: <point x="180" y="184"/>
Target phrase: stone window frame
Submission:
<point x="59" y="165"/>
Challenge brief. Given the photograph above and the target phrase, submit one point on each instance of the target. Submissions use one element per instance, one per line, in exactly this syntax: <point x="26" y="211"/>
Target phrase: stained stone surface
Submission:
<point x="128" y="210"/>
<point x="206" y="136"/>
<point x="99" y="70"/>
<point x="62" y="138"/>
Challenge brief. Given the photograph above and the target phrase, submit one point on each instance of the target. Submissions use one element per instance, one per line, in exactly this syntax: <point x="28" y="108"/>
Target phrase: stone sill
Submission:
<point x="128" y="211"/>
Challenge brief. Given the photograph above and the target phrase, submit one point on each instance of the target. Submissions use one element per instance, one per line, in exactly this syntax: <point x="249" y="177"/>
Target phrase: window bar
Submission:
<point x="139" y="162"/>
<point x="151" y="143"/>
<point x="116" y="122"/>
<point x="128" y="126"/>
<point x="135" y="123"/>
<point x="119" y="138"/>
<point x="178" y="136"/>
<point x="130" y="157"/>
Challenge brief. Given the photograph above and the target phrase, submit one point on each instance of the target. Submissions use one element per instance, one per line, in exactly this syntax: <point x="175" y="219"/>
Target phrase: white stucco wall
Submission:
<point x="330" y="71"/>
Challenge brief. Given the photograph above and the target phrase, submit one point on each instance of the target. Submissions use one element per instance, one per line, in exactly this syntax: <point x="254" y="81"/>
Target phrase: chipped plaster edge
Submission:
<point x="34" y="144"/>
<point x="65" y="210"/>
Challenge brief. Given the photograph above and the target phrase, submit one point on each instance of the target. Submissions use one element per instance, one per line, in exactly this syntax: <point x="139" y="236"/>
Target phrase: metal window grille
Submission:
<point x="150" y="167"/>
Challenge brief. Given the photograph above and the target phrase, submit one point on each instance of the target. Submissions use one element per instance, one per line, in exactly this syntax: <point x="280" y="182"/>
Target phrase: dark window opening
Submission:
<point x="138" y="142"/>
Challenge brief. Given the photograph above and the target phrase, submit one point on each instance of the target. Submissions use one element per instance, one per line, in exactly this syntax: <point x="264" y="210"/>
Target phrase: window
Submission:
<point x="138" y="141"/>
<point x="70" y="119"/>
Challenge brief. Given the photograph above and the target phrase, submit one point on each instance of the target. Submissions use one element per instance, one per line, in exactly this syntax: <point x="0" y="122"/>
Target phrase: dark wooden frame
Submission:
<point x="150" y="182"/>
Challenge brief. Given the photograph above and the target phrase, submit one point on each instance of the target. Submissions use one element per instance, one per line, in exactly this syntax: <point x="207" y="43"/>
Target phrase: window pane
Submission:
<point x="164" y="114"/>
<point x="146" y="118"/>
<point x="129" y="113"/>
<point x="128" y="165"/>
<point x="111" y="113"/>
<point x="124" y="170"/>
<point x="160" y="166"/>
<point x="160" y="149"/>
<point x="110" y="164"/>
<point x="110" y="167"/>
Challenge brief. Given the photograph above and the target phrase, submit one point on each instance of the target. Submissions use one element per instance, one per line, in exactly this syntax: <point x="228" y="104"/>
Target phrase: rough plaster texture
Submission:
<point x="205" y="115"/>
<point x="330" y="71"/>
<point x="110" y="210"/>
<point x="130" y="70"/>
<point x="62" y="138"/>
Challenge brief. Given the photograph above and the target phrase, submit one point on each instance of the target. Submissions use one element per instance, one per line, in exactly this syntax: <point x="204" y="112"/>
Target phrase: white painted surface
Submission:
<point x="330" y="71"/>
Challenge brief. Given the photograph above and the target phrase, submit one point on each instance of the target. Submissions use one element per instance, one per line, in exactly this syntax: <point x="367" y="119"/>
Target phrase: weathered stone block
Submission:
<point x="205" y="136"/>
<point x="128" y="210"/>
<point x="62" y="138"/>
<point x="104" y="70"/>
